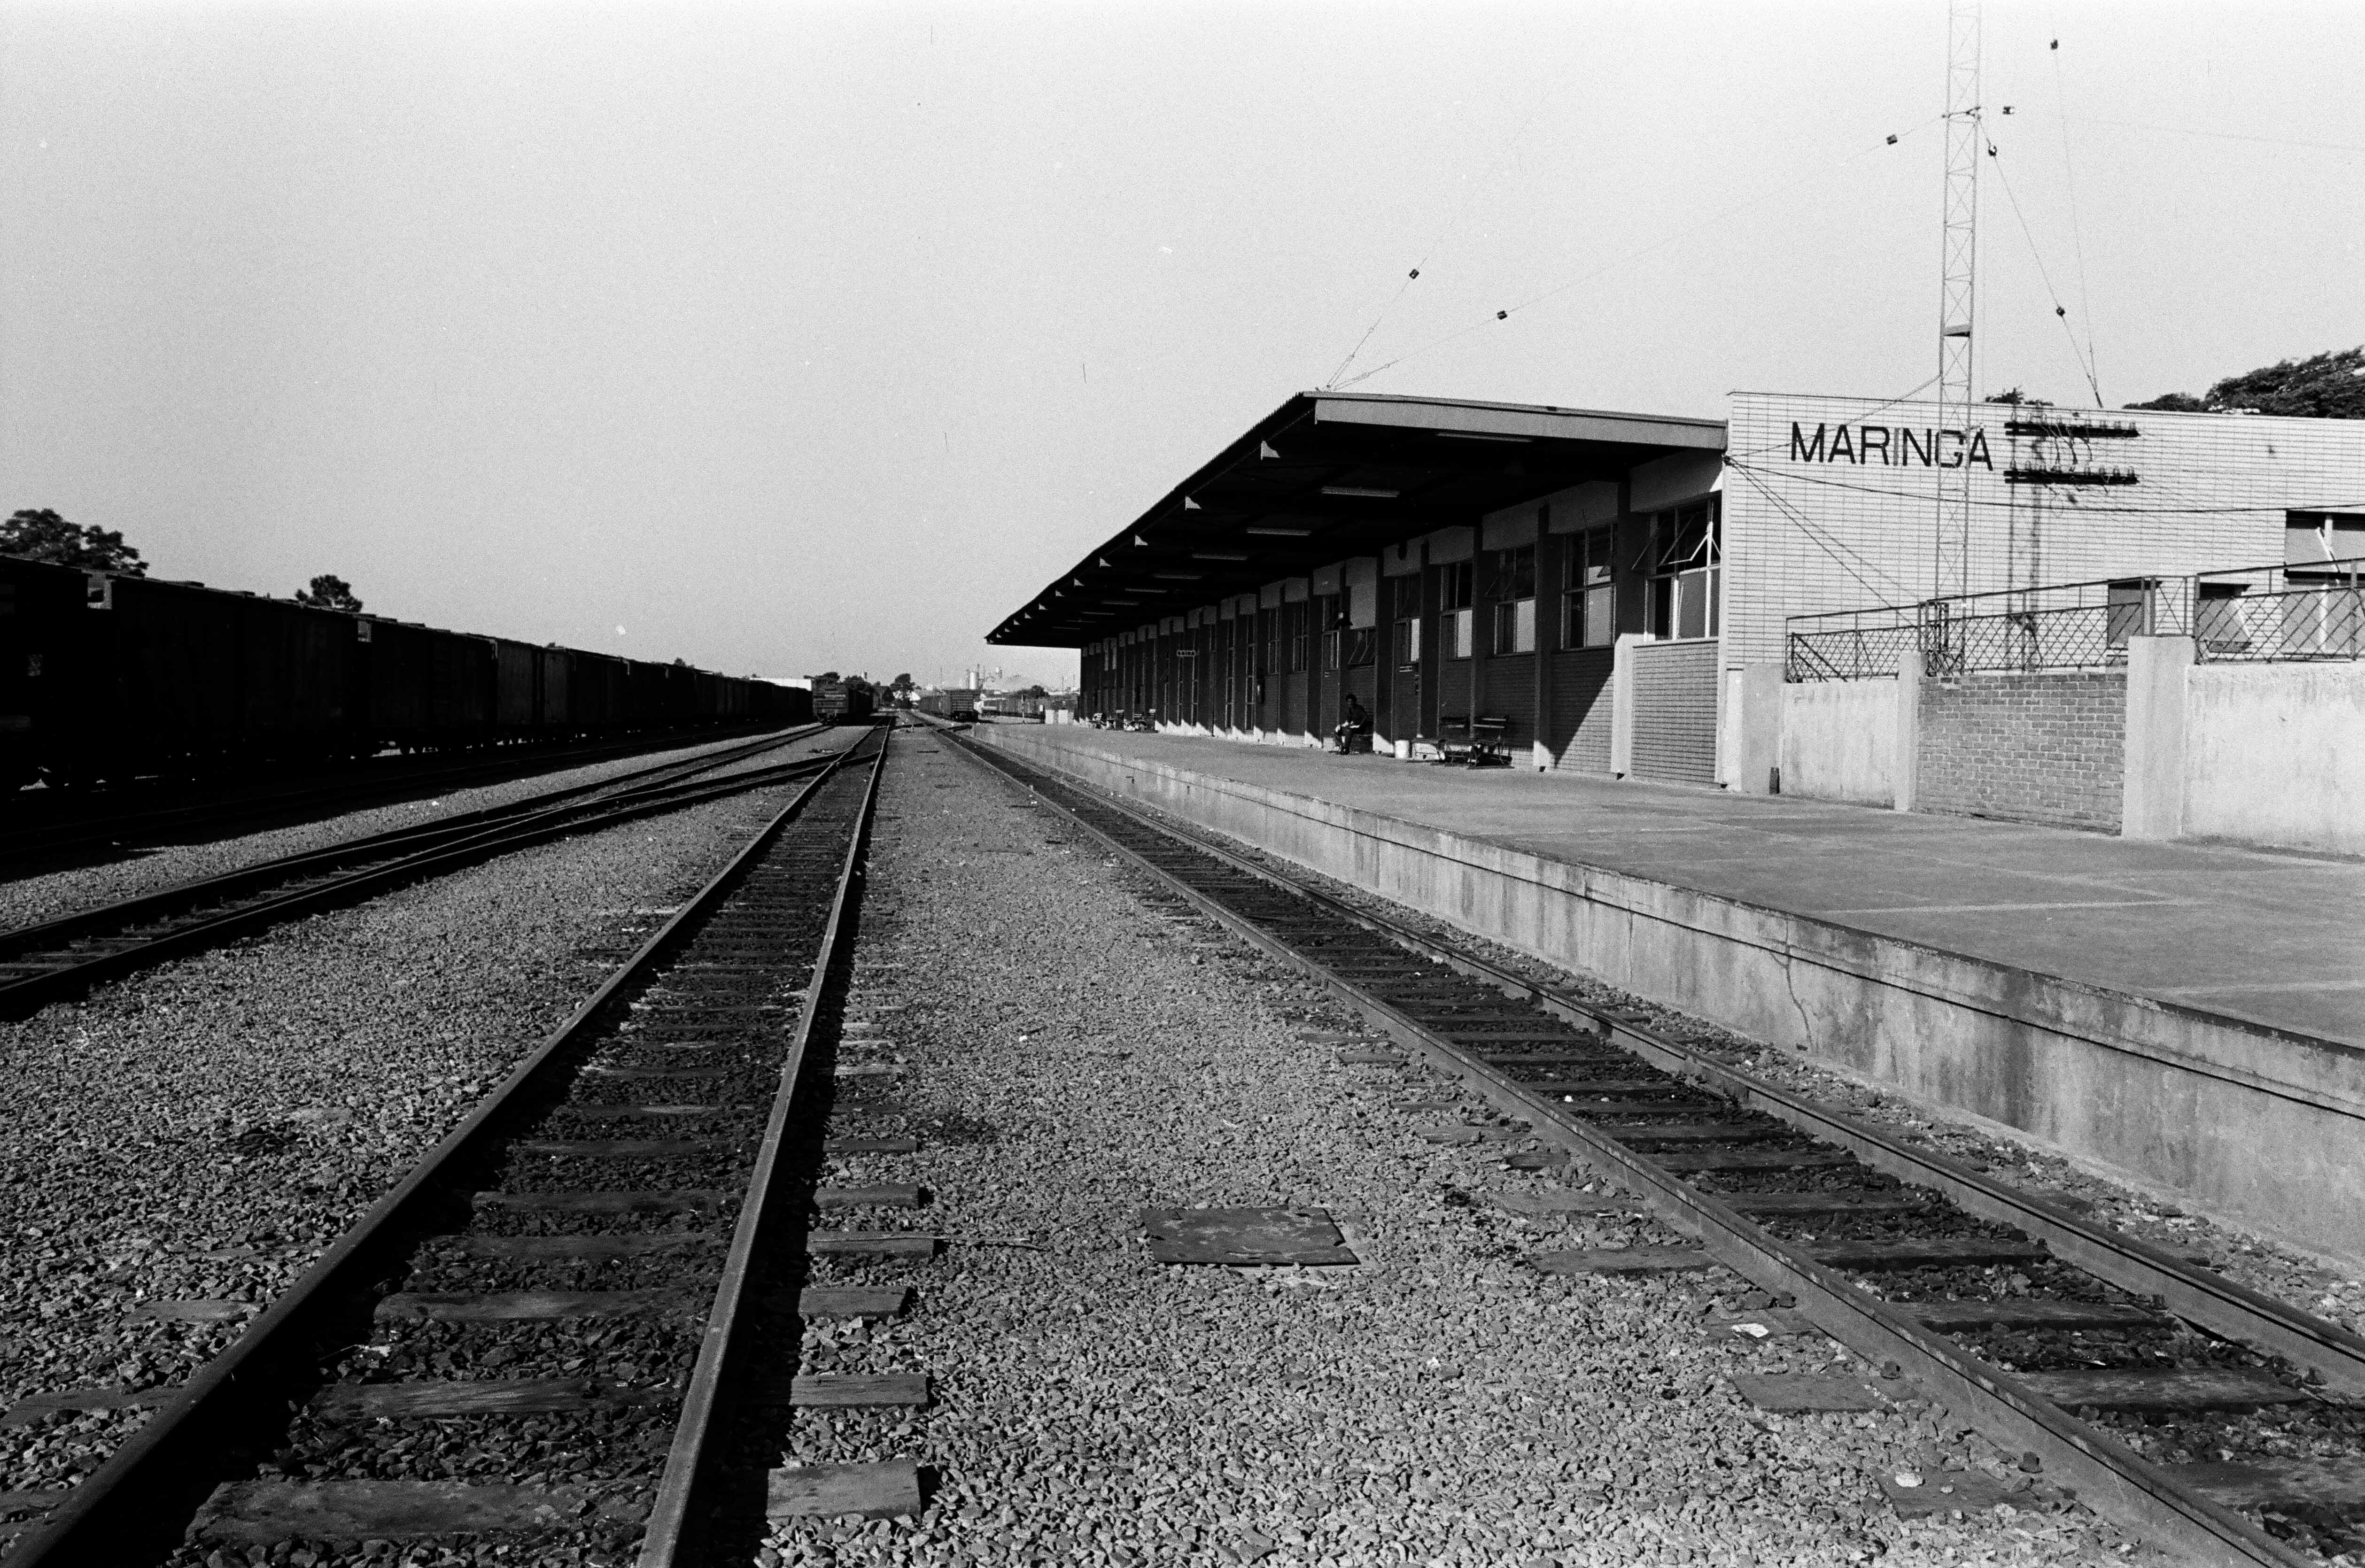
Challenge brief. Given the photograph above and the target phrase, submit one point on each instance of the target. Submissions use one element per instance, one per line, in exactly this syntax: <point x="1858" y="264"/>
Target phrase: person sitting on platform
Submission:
<point x="1354" y="730"/>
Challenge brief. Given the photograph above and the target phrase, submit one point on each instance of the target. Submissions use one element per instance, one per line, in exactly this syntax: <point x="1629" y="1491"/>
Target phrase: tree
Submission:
<point x="1032" y="691"/>
<point x="901" y="683"/>
<point x="2330" y="385"/>
<point x="43" y="536"/>
<point x="328" y="592"/>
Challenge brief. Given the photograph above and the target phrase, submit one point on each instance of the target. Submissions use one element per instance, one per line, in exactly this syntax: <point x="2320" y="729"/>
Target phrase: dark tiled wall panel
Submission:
<point x="1675" y="711"/>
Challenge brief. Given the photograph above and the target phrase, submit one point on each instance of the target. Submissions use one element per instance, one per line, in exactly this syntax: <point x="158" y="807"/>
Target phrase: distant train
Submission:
<point x="843" y="702"/>
<point x="105" y="677"/>
<point x="959" y="703"/>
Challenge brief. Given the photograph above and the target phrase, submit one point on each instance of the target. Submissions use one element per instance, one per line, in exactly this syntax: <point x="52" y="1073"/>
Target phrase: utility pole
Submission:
<point x="1958" y="295"/>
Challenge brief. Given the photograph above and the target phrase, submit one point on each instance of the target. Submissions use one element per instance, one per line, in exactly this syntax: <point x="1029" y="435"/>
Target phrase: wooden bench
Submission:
<point x="1490" y="745"/>
<point x="1474" y="742"/>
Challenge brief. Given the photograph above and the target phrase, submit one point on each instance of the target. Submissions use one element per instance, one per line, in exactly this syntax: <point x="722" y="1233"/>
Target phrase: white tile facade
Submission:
<point x="1812" y="526"/>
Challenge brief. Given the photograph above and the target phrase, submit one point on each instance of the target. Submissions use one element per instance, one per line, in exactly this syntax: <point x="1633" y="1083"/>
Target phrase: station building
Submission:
<point x="1592" y="584"/>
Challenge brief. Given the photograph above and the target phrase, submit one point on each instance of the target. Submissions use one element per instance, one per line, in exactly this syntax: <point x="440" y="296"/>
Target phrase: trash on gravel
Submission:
<point x="1939" y="1491"/>
<point x="1245" y="1236"/>
<point x="1562" y="1202"/>
<point x="1802" y="1392"/>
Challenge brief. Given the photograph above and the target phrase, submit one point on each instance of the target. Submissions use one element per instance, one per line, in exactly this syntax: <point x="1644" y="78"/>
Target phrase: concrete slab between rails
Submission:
<point x="2191" y="1014"/>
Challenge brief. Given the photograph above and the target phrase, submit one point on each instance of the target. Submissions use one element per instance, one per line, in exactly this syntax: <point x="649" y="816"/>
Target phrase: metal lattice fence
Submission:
<point x="2280" y="613"/>
<point x="2313" y="612"/>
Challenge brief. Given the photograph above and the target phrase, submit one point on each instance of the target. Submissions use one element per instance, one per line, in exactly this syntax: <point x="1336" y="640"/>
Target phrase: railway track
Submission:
<point x="540" y="1335"/>
<point x="54" y="958"/>
<point x="2052" y="1334"/>
<point x="54" y="827"/>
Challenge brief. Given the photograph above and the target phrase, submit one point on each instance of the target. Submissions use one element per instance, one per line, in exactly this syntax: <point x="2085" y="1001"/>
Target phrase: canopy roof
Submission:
<point x="1330" y="475"/>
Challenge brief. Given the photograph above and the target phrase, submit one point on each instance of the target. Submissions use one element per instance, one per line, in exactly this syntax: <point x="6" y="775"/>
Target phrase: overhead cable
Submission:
<point x="2221" y="135"/>
<point x="1429" y="250"/>
<point x="2279" y="505"/>
<point x="2060" y="311"/>
<point x="2077" y="234"/>
<point x="1661" y="243"/>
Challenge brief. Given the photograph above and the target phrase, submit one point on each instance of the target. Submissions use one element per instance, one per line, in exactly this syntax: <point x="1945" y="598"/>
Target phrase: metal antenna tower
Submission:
<point x="1959" y="293"/>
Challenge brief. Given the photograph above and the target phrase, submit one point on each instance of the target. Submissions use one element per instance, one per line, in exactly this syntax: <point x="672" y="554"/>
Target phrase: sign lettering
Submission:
<point x="1892" y="446"/>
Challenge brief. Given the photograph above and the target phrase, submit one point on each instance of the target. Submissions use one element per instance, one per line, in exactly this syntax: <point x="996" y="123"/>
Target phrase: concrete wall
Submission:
<point x="2274" y="754"/>
<point x="2045" y="747"/>
<point x="2254" y="1124"/>
<point x="1839" y="740"/>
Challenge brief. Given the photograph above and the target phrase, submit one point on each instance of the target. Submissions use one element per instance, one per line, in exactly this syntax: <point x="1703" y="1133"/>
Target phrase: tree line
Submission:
<point x="40" y="534"/>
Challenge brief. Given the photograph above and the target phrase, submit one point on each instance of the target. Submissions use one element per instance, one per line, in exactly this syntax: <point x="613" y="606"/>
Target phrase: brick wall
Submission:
<point x="2039" y="748"/>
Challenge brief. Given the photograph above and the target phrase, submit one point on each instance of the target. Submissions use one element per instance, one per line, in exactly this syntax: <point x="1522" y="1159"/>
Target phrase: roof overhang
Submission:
<point x="1327" y="476"/>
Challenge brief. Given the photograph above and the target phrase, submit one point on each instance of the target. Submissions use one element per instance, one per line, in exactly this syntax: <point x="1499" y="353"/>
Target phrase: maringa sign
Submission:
<point x="1896" y="446"/>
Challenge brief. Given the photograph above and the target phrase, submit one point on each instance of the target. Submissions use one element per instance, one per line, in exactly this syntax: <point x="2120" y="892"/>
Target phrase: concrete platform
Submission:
<point x="2191" y="1014"/>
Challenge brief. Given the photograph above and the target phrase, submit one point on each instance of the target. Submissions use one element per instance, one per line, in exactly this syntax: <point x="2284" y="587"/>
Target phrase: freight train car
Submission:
<point x="42" y="616"/>
<point x="842" y="702"/>
<point x="109" y="678"/>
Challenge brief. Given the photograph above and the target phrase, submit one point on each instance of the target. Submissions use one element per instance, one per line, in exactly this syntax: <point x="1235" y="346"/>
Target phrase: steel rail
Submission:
<point x="34" y="991"/>
<point x="229" y="884"/>
<point x="2208" y="1300"/>
<point x="671" y="1530"/>
<point x="2104" y="1474"/>
<point x="143" y="1497"/>
<point x="66" y="832"/>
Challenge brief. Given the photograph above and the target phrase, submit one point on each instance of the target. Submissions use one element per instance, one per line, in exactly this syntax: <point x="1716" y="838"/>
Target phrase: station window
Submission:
<point x="1294" y="618"/>
<point x="2314" y="538"/>
<point x="2217" y="618"/>
<point x="1685" y="563"/>
<point x="1330" y="619"/>
<point x="1404" y="600"/>
<point x="1513" y="591"/>
<point x="1588" y="599"/>
<point x="1455" y="614"/>
<point x="2131" y="605"/>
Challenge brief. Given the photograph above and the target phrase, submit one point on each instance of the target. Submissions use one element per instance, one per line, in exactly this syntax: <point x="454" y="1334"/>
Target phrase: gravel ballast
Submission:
<point x="2331" y="1288"/>
<point x="1073" y="1047"/>
<point x="201" y="1131"/>
<point x="25" y="900"/>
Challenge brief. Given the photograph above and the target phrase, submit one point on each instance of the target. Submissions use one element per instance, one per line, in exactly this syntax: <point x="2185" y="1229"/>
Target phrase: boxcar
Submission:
<point x="107" y="676"/>
<point x="841" y="702"/>
<point x="517" y="706"/>
<point x="43" y="665"/>
<point x="554" y="716"/>
<point x="165" y="668"/>
<point x="401" y="665"/>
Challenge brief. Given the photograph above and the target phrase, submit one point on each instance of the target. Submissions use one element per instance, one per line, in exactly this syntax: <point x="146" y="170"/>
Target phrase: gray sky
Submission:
<point x="789" y="337"/>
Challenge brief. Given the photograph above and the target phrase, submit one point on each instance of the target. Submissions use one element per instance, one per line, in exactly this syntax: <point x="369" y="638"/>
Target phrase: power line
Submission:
<point x="1746" y="466"/>
<point x="1830" y="546"/>
<point x="1866" y="413"/>
<point x="2077" y="234"/>
<point x="2220" y="135"/>
<point x="1506" y="312"/>
<point x="2060" y="311"/>
<point x="1438" y="239"/>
